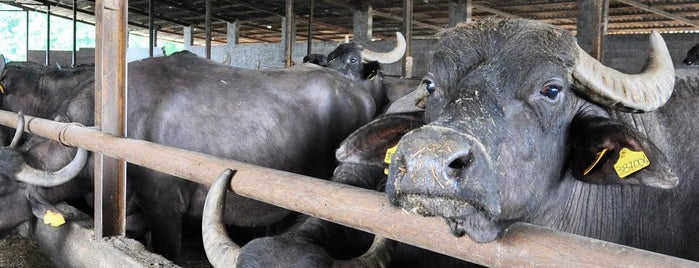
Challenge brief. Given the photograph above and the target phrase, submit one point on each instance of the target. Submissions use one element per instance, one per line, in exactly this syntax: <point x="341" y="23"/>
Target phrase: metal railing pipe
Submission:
<point x="522" y="245"/>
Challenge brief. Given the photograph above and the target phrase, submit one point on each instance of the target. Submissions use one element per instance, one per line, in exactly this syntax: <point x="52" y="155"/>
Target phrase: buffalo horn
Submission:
<point x="42" y="178"/>
<point x="641" y="92"/>
<point x="19" y="131"/>
<point x="220" y="250"/>
<point x="387" y="57"/>
<point x="2" y="65"/>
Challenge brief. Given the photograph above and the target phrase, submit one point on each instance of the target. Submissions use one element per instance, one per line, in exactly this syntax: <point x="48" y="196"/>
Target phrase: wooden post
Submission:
<point x="110" y="111"/>
<point x="289" y="34"/>
<point x="408" y="24"/>
<point x="74" y="53"/>
<point x="208" y="29"/>
<point x="309" y="46"/>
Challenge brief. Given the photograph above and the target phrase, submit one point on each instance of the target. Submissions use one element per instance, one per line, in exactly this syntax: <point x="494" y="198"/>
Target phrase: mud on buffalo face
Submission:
<point x="500" y="110"/>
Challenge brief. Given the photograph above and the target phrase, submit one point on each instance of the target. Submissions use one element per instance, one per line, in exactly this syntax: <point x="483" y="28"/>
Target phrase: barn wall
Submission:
<point x="626" y="53"/>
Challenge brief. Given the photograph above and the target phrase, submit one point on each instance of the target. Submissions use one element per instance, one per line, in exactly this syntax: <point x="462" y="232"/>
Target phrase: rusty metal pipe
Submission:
<point x="523" y="244"/>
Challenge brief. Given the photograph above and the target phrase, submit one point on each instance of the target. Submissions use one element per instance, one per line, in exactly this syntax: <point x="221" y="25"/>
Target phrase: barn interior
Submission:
<point x="253" y="33"/>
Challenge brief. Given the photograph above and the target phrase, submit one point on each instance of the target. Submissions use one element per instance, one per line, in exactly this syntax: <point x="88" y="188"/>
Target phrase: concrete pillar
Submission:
<point x="188" y="40"/>
<point x="459" y="11"/>
<point x="592" y="26"/>
<point x="232" y="33"/>
<point x="362" y="25"/>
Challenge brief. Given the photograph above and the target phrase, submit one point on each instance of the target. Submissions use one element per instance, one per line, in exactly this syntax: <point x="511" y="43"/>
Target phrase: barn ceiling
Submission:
<point x="261" y="20"/>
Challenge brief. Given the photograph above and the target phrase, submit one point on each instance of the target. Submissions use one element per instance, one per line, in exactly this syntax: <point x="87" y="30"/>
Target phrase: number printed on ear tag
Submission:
<point x="630" y="162"/>
<point x="387" y="158"/>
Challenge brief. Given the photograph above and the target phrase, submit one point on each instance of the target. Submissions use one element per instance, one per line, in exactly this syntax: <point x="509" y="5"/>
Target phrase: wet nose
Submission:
<point x="441" y="162"/>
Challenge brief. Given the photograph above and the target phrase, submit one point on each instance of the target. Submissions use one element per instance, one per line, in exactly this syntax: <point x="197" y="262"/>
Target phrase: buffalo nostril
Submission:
<point x="459" y="163"/>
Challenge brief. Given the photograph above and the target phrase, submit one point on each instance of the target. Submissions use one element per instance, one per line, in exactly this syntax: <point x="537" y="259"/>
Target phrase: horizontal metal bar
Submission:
<point x="522" y="245"/>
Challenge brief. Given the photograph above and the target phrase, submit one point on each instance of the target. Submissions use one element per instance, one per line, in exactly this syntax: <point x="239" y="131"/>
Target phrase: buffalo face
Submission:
<point x="501" y="115"/>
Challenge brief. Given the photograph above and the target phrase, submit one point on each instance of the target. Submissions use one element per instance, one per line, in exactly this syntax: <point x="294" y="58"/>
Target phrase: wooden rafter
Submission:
<point x="659" y="12"/>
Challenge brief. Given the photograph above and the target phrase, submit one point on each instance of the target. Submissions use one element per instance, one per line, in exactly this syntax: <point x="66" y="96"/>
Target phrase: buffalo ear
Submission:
<point x="368" y="144"/>
<point x="605" y="151"/>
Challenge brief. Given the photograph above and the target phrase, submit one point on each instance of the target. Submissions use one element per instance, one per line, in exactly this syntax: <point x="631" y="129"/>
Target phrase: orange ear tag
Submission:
<point x="599" y="156"/>
<point x="630" y="162"/>
<point x="389" y="154"/>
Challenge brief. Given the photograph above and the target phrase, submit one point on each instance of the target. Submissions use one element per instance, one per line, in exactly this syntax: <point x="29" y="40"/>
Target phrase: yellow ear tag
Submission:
<point x="2" y="89"/>
<point x="387" y="158"/>
<point x="54" y="219"/>
<point x="630" y="162"/>
<point x="599" y="156"/>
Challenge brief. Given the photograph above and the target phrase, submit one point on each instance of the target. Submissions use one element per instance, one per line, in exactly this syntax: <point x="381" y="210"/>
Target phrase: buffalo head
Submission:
<point x="515" y="113"/>
<point x="25" y="187"/>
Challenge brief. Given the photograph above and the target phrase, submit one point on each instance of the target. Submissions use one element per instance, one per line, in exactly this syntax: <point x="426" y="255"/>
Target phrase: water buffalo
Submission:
<point x="518" y="130"/>
<point x="692" y="55"/>
<point x="288" y="119"/>
<point x="20" y="92"/>
<point x="313" y="242"/>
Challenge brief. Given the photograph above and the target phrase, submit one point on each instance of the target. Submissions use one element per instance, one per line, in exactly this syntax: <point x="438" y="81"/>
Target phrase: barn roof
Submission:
<point x="260" y="20"/>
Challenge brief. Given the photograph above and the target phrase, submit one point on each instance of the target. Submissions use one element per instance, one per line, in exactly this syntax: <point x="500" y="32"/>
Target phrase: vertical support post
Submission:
<point x="309" y="46"/>
<point x="48" y="34"/>
<point x="110" y="111"/>
<point x="289" y="35"/>
<point x="460" y="11"/>
<point x="408" y="24"/>
<point x="151" y="22"/>
<point x="208" y="29"/>
<point x="232" y="39"/>
<point x="362" y="25"/>
<point x="27" y="36"/>
<point x="592" y="26"/>
<point x="74" y="54"/>
<point x="188" y="40"/>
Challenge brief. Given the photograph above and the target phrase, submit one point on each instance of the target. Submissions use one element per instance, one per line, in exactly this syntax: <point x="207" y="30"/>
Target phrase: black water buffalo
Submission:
<point x="288" y="119"/>
<point x="517" y="130"/>
<point x="692" y="56"/>
<point x="25" y="87"/>
<point x="313" y="242"/>
<point x="319" y="59"/>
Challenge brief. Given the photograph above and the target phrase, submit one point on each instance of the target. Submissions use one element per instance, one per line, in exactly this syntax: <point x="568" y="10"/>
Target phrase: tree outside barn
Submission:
<point x="13" y="34"/>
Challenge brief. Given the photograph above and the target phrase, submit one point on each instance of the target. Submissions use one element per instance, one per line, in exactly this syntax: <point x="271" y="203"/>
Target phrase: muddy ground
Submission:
<point x="17" y="251"/>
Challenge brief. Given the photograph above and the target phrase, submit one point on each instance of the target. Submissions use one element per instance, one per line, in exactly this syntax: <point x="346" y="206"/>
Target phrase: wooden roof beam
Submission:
<point x="496" y="12"/>
<point x="659" y="12"/>
<point x="383" y="14"/>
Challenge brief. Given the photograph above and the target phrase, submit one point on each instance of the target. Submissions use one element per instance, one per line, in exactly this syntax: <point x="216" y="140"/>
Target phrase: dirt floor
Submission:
<point x="17" y="251"/>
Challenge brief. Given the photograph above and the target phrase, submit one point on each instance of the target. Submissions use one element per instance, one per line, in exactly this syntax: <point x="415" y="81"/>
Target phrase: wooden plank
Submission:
<point x="110" y="77"/>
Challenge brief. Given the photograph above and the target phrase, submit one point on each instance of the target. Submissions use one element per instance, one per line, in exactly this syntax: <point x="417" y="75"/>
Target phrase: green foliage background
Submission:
<point x="13" y="34"/>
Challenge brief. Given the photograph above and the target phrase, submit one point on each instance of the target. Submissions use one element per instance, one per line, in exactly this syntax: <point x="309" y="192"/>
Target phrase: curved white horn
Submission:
<point x="19" y="131"/>
<point x="42" y="178"/>
<point x="387" y="57"/>
<point x="641" y="92"/>
<point x="220" y="250"/>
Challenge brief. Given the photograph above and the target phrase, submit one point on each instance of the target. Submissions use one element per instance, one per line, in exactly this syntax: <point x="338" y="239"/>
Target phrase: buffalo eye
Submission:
<point x="353" y="61"/>
<point x="429" y="85"/>
<point x="551" y="91"/>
